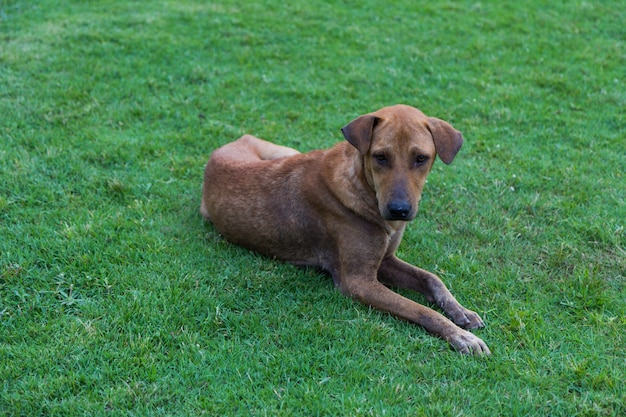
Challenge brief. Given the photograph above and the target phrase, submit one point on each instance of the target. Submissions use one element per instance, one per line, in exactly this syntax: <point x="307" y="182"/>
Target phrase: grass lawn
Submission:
<point x="116" y="299"/>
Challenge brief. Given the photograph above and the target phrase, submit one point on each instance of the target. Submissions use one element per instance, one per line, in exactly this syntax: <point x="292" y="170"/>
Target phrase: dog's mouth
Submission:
<point x="402" y="218"/>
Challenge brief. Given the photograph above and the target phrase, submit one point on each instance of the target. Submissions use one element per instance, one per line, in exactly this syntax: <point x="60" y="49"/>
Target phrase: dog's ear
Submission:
<point x="447" y="139"/>
<point x="359" y="131"/>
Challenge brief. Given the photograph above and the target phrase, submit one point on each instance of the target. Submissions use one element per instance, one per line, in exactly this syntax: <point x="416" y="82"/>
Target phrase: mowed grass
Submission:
<point x="116" y="299"/>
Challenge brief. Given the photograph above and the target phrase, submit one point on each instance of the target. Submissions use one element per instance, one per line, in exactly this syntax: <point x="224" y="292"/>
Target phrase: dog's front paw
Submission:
<point x="474" y="321"/>
<point x="466" y="343"/>
<point x="467" y="319"/>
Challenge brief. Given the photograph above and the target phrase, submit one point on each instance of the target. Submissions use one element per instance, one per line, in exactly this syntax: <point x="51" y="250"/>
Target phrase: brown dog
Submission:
<point x="344" y="209"/>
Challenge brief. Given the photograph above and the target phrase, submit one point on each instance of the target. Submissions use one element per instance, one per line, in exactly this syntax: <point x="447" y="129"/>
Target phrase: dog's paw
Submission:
<point x="467" y="319"/>
<point x="474" y="320"/>
<point x="466" y="343"/>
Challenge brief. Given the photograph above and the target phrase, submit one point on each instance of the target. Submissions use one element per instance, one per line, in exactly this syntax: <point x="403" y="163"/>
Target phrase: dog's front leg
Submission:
<point x="372" y="293"/>
<point x="395" y="272"/>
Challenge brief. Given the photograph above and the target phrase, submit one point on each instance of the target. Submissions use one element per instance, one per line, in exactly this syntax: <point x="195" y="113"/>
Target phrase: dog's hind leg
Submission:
<point x="246" y="149"/>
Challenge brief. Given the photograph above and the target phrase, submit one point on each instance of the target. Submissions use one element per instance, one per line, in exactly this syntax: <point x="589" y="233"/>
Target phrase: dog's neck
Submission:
<point x="356" y="194"/>
<point x="395" y="230"/>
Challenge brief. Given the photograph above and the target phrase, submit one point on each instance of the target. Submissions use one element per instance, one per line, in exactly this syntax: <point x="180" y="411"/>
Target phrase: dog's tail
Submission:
<point x="204" y="211"/>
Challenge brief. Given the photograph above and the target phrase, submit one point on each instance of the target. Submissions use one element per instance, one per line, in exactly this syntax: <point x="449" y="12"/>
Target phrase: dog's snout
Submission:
<point x="399" y="210"/>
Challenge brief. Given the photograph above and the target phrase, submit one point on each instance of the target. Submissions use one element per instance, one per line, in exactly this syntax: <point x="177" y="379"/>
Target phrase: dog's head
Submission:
<point x="398" y="145"/>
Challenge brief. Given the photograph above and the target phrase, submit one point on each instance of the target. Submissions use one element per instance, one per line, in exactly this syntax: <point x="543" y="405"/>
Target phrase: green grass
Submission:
<point x="115" y="298"/>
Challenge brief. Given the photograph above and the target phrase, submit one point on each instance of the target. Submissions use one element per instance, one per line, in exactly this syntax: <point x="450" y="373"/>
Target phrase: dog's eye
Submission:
<point x="421" y="159"/>
<point x="380" y="157"/>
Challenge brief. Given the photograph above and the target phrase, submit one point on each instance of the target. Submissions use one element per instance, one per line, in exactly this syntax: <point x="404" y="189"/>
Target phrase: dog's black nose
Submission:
<point x="398" y="210"/>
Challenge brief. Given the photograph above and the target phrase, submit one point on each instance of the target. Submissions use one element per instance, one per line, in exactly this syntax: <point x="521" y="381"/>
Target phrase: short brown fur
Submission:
<point x="344" y="210"/>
